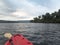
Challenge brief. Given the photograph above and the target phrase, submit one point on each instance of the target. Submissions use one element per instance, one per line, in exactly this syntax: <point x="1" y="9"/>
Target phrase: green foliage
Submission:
<point x="48" y="18"/>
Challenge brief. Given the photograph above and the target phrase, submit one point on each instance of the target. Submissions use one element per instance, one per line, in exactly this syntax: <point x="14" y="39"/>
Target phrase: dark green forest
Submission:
<point x="48" y="18"/>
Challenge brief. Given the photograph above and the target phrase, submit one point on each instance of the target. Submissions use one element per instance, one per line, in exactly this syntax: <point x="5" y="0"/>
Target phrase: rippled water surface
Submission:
<point x="37" y="33"/>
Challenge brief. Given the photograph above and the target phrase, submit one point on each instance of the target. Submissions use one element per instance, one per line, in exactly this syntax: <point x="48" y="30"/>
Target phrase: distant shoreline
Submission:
<point x="4" y="21"/>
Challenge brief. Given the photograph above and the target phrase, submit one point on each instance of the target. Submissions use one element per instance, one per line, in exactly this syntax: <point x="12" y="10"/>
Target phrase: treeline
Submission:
<point x="48" y="18"/>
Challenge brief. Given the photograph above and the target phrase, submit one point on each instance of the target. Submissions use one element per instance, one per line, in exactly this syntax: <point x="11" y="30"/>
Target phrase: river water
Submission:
<point x="37" y="33"/>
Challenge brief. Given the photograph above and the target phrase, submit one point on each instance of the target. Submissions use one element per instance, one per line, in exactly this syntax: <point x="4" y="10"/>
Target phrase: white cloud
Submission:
<point x="29" y="10"/>
<point x="12" y="18"/>
<point x="20" y="13"/>
<point x="23" y="9"/>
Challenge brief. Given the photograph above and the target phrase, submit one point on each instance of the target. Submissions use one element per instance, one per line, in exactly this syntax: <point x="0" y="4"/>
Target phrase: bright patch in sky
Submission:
<point x="26" y="9"/>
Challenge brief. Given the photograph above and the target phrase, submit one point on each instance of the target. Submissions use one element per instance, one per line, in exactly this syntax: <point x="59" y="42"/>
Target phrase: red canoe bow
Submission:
<point x="18" y="40"/>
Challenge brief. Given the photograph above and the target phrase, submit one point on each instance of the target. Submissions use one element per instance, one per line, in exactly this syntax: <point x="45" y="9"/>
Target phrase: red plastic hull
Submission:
<point x="18" y="40"/>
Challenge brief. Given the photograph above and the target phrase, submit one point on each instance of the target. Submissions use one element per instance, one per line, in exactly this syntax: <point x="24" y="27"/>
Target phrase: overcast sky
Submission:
<point x="26" y="9"/>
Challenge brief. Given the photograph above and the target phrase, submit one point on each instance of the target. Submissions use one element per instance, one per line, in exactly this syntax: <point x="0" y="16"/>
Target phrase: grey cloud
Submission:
<point x="4" y="8"/>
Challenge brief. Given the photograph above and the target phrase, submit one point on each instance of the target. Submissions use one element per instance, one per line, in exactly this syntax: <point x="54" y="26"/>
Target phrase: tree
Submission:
<point x="39" y="17"/>
<point x="48" y="18"/>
